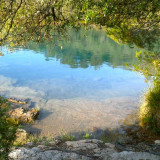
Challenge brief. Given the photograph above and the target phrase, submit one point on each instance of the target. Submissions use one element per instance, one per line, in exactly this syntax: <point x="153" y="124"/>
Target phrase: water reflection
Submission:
<point x="86" y="48"/>
<point x="83" y="83"/>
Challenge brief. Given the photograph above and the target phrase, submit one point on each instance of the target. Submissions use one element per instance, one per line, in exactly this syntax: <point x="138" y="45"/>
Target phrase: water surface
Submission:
<point x="79" y="84"/>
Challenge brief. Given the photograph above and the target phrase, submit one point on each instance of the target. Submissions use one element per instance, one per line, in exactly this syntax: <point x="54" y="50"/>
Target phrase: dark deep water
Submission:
<point x="78" y="84"/>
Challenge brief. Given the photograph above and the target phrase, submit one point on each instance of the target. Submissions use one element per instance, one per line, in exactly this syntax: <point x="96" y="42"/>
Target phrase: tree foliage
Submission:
<point x="23" y="20"/>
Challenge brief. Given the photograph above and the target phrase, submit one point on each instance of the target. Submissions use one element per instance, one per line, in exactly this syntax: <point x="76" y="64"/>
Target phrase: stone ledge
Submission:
<point x="79" y="150"/>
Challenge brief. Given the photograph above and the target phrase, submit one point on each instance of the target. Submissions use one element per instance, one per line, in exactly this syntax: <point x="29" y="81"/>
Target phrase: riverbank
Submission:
<point x="133" y="144"/>
<point x="129" y="141"/>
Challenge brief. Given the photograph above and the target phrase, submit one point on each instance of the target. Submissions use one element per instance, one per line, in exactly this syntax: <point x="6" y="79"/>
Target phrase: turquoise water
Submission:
<point x="79" y="83"/>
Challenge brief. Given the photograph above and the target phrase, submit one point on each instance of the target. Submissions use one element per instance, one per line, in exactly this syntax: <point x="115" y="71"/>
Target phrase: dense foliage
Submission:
<point x="150" y="67"/>
<point x="8" y="128"/>
<point x="23" y="20"/>
<point x="150" y="109"/>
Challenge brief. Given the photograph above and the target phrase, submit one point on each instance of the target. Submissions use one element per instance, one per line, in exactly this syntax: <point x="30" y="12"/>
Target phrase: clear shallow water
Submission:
<point x="78" y="84"/>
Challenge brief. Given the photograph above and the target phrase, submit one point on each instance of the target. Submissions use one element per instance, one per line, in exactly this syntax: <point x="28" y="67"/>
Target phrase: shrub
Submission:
<point x="149" y="113"/>
<point x="8" y="127"/>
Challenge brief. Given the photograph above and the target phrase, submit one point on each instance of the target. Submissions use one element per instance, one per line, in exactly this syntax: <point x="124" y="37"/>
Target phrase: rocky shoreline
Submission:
<point x="92" y="149"/>
<point x="130" y="146"/>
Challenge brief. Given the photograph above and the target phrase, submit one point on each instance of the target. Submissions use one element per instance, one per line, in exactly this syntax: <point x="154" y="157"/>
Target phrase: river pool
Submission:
<point x="80" y="83"/>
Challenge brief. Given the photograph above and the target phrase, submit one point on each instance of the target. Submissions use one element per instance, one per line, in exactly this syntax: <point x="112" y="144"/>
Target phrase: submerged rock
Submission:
<point x="24" y="116"/>
<point x="13" y="100"/>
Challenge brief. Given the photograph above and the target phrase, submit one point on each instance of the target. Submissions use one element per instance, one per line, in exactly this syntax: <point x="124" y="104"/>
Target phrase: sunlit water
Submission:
<point x="80" y="84"/>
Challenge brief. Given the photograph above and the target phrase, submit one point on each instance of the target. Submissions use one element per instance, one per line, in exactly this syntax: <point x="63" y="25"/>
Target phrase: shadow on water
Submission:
<point x="107" y="135"/>
<point x="33" y="130"/>
<point x="43" y="114"/>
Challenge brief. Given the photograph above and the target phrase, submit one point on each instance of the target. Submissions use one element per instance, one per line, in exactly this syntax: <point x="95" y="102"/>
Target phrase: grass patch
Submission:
<point x="66" y="137"/>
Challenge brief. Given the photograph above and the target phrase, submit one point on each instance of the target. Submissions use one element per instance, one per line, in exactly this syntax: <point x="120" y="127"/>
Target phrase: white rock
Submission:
<point x="134" y="156"/>
<point x="41" y="146"/>
<point x="105" y="153"/>
<point x="48" y="154"/>
<point x="82" y="145"/>
<point x="109" y="145"/>
<point x="42" y="152"/>
<point x="157" y="142"/>
<point x="36" y="149"/>
<point x="28" y="154"/>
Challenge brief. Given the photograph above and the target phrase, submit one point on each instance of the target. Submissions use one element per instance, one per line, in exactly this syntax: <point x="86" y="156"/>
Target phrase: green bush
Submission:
<point x="8" y="127"/>
<point x="149" y="113"/>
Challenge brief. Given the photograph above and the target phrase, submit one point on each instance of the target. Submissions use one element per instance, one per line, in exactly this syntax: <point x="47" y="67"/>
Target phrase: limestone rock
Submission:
<point x="21" y="136"/>
<point x="55" y="142"/>
<point x="79" y="150"/>
<point x="134" y="156"/>
<point x="83" y="144"/>
<point x="24" y="116"/>
<point x="29" y="144"/>
<point x="32" y="154"/>
<point x="109" y="145"/>
<point x="157" y="142"/>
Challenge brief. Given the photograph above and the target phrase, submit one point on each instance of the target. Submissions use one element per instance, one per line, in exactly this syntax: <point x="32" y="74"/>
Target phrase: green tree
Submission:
<point x="23" y="20"/>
